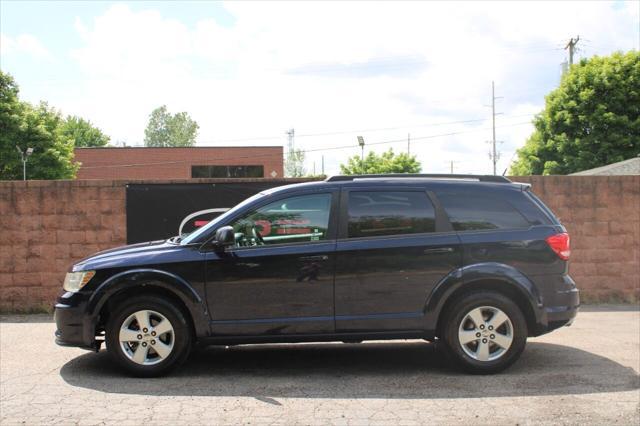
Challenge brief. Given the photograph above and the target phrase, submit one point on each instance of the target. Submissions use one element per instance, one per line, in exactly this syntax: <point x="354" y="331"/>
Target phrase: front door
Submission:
<point x="278" y="277"/>
<point x="392" y="251"/>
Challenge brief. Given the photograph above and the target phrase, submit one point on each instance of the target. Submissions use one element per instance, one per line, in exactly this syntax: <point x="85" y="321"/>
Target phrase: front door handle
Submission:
<point x="438" y="250"/>
<point x="318" y="258"/>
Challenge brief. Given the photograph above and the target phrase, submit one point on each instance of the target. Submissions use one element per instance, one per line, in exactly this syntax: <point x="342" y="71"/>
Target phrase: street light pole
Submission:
<point x="24" y="155"/>
<point x="361" y="143"/>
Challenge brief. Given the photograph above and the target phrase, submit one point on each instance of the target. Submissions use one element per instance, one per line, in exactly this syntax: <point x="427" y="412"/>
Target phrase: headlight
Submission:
<point x="74" y="281"/>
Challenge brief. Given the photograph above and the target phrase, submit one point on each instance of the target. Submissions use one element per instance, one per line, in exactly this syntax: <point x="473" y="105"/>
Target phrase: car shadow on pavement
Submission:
<point x="369" y="370"/>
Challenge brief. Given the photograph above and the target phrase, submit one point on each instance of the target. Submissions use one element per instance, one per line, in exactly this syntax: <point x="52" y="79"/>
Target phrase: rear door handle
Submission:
<point x="319" y="258"/>
<point x="438" y="250"/>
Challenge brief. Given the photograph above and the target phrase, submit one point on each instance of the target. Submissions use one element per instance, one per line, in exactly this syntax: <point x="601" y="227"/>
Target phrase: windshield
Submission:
<point x="197" y="234"/>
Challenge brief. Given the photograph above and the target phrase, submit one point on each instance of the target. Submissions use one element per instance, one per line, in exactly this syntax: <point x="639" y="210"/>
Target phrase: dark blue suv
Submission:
<point x="477" y="262"/>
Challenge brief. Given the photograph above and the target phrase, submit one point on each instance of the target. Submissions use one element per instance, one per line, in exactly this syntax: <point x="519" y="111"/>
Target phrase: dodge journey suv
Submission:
<point x="476" y="262"/>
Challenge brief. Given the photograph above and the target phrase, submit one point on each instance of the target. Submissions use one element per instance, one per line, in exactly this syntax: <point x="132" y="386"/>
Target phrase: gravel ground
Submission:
<point x="584" y="374"/>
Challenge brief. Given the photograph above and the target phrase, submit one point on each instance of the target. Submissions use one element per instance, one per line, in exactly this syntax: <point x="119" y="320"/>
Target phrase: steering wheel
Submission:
<point x="256" y="235"/>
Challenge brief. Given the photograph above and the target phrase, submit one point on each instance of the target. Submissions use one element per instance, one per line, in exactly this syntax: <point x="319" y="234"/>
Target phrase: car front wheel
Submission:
<point x="148" y="336"/>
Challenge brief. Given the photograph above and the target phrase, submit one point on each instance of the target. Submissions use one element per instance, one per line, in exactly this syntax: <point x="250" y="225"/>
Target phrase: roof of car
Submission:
<point x="477" y="178"/>
<point x="485" y="181"/>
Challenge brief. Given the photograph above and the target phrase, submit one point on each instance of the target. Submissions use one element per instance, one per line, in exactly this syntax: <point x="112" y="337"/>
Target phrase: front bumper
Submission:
<point x="73" y="326"/>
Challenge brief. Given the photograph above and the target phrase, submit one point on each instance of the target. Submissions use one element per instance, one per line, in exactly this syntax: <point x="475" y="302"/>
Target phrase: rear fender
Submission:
<point x="473" y="276"/>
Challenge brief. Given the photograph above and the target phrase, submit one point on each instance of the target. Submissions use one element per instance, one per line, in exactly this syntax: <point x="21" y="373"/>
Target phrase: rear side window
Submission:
<point x="380" y="213"/>
<point x="542" y="213"/>
<point x="469" y="212"/>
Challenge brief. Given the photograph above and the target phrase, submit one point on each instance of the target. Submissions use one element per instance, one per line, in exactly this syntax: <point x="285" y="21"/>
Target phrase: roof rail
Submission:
<point x="480" y="178"/>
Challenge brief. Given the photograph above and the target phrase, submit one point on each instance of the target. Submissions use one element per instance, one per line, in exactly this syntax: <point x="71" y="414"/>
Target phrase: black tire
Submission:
<point x="180" y="338"/>
<point x="458" y="312"/>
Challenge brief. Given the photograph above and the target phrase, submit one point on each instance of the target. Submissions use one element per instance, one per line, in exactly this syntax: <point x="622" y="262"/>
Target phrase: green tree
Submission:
<point x="294" y="164"/>
<point x="166" y="129"/>
<point x="590" y="120"/>
<point x="25" y="126"/>
<point x="83" y="133"/>
<point x="388" y="162"/>
<point x="11" y="111"/>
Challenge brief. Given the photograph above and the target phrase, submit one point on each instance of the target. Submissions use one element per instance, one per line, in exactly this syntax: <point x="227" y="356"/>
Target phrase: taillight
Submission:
<point x="559" y="243"/>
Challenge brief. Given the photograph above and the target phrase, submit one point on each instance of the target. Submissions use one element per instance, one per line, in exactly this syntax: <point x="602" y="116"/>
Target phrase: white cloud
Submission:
<point x="322" y="67"/>
<point x="23" y="44"/>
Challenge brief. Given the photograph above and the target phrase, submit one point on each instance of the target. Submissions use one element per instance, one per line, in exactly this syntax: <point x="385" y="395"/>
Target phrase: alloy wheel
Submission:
<point x="146" y="337"/>
<point x="485" y="333"/>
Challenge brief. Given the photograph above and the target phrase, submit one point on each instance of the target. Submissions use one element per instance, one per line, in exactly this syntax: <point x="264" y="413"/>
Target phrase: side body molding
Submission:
<point x="152" y="278"/>
<point x="470" y="275"/>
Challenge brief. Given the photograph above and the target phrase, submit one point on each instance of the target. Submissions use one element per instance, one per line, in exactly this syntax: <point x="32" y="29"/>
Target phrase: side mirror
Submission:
<point x="225" y="236"/>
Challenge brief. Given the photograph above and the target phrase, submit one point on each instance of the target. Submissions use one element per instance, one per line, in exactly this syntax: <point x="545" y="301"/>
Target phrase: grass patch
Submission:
<point x="27" y="310"/>
<point x="610" y="298"/>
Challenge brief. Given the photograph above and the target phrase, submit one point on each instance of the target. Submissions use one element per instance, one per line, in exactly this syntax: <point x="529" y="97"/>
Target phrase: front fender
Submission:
<point x="476" y="274"/>
<point x="152" y="278"/>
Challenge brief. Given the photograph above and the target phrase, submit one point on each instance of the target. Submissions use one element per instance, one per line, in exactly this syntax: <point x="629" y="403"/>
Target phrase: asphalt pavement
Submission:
<point x="584" y="374"/>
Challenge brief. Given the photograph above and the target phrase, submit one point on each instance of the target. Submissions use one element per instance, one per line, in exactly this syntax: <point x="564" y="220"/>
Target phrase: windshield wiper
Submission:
<point x="175" y="239"/>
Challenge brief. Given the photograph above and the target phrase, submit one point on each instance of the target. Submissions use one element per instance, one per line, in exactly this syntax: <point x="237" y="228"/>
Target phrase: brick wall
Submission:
<point x="602" y="215"/>
<point x="45" y="226"/>
<point x="171" y="163"/>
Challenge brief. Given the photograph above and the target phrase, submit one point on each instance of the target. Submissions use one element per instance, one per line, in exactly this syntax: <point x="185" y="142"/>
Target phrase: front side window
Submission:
<point x="291" y="220"/>
<point x="469" y="212"/>
<point x="380" y="213"/>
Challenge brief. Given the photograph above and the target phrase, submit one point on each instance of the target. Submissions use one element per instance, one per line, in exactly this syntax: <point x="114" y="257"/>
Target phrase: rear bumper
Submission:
<point x="561" y="309"/>
<point x="73" y="325"/>
<point x="559" y="316"/>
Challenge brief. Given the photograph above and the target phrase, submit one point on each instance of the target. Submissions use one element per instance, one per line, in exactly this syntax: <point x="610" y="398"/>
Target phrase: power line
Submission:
<point x="351" y="146"/>
<point x="346" y="132"/>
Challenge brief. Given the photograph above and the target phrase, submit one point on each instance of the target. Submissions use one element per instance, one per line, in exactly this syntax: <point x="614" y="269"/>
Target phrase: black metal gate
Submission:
<point x="158" y="211"/>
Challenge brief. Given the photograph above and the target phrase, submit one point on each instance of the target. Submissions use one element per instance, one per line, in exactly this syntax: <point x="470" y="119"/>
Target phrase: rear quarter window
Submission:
<point x="472" y="212"/>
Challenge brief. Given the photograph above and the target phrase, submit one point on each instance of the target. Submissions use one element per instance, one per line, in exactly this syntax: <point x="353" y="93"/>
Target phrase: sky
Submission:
<point x="249" y="71"/>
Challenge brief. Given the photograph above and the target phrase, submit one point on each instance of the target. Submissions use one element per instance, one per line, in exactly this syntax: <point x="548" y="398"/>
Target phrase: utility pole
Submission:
<point x="571" y="45"/>
<point x="323" y="165"/>
<point x="409" y="143"/>
<point x="494" y="154"/>
<point x="290" y="135"/>
<point x="451" y="163"/>
<point x="493" y="116"/>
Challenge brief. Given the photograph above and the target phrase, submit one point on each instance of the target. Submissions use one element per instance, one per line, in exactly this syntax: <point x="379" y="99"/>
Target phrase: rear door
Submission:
<point x="394" y="246"/>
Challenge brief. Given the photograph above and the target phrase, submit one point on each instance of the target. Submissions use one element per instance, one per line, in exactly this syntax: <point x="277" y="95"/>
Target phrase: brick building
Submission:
<point x="180" y="163"/>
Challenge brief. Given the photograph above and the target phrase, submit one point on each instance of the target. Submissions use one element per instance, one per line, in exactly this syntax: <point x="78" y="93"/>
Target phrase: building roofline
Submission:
<point x="613" y="169"/>
<point x="177" y="147"/>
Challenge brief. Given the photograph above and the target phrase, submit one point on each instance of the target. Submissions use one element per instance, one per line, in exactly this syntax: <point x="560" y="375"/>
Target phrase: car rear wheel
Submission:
<point x="148" y="336"/>
<point x="485" y="332"/>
